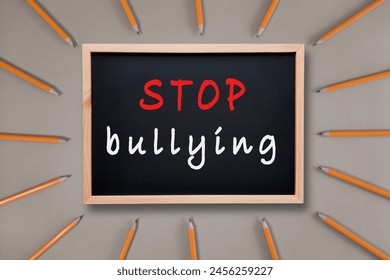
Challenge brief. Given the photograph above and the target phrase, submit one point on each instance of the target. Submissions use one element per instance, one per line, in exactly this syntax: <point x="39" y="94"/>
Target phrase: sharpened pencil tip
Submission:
<point x="318" y="42"/>
<point x="190" y="223"/>
<point x="322" y="90"/>
<point x="135" y="224"/>
<point x="64" y="139"/>
<point x="324" y="169"/>
<point x="55" y="91"/>
<point x="136" y="29"/>
<point x="200" y="27"/>
<point x="264" y="222"/>
<point x="71" y="42"/>
<point x="319" y="215"/>
<point x="78" y="219"/>
<point x="65" y="177"/>
<point x="261" y="30"/>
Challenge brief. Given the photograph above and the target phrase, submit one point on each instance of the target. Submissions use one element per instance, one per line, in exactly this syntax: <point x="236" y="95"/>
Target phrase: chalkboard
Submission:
<point x="193" y="123"/>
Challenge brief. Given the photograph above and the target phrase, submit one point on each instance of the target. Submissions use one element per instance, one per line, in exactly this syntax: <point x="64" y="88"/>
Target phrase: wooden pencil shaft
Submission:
<point x="48" y="19"/>
<point x="358" y="133"/>
<point x="199" y="12"/>
<point x="32" y="138"/>
<point x="29" y="191"/>
<point x="129" y="12"/>
<point x="53" y="240"/>
<point x="127" y="244"/>
<point x="351" y="20"/>
<point x="269" y="13"/>
<point x="191" y="237"/>
<point x="356" y="239"/>
<point x="358" y="81"/>
<point x="270" y="243"/>
<point x="23" y="75"/>
<point x="359" y="183"/>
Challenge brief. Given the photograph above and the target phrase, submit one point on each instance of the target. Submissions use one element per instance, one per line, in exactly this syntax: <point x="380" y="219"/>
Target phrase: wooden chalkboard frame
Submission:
<point x="298" y="49"/>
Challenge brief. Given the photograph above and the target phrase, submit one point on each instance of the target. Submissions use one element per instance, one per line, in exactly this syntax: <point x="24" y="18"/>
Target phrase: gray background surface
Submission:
<point x="223" y="231"/>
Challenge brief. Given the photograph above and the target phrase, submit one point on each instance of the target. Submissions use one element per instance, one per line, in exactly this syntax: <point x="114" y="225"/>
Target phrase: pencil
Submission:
<point x="199" y="15"/>
<point x="56" y="238"/>
<point x="33" y="138"/>
<point x="33" y="190"/>
<point x="130" y="15"/>
<point x="128" y="240"/>
<point x="354" y="181"/>
<point x="355" y="133"/>
<point x="348" y="21"/>
<point x="355" y="82"/>
<point x="270" y="241"/>
<point x="191" y="237"/>
<point x="50" y="21"/>
<point x="267" y="17"/>
<point x="353" y="237"/>
<point x="28" y="78"/>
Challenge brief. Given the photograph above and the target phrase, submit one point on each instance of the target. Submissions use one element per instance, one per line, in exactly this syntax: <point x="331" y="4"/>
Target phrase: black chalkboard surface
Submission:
<point x="183" y="124"/>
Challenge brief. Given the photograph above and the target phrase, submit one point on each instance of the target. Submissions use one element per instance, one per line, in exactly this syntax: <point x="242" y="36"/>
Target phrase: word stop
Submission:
<point x="236" y="90"/>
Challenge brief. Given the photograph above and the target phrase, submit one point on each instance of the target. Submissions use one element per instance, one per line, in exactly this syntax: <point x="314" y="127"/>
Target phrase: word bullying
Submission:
<point x="267" y="145"/>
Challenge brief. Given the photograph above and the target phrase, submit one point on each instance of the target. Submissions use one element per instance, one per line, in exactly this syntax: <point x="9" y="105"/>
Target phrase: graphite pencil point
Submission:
<point x="78" y="219"/>
<point x="65" y="177"/>
<point x="261" y="30"/>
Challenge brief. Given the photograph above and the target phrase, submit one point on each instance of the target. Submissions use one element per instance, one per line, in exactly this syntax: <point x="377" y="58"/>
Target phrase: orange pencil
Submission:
<point x="128" y="240"/>
<point x="349" y="21"/>
<point x="199" y="15"/>
<point x="267" y="17"/>
<point x="270" y="241"/>
<point x="191" y="237"/>
<point x="355" y="133"/>
<point x="28" y="78"/>
<point x="56" y="238"/>
<point x="355" y="82"/>
<point x="50" y="21"/>
<point x="353" y="237"/>
<point x="32" y="190"/>
<point x="355" y="181"/>
<point x="130" y="15"/>
<point x="33" y="138"/>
